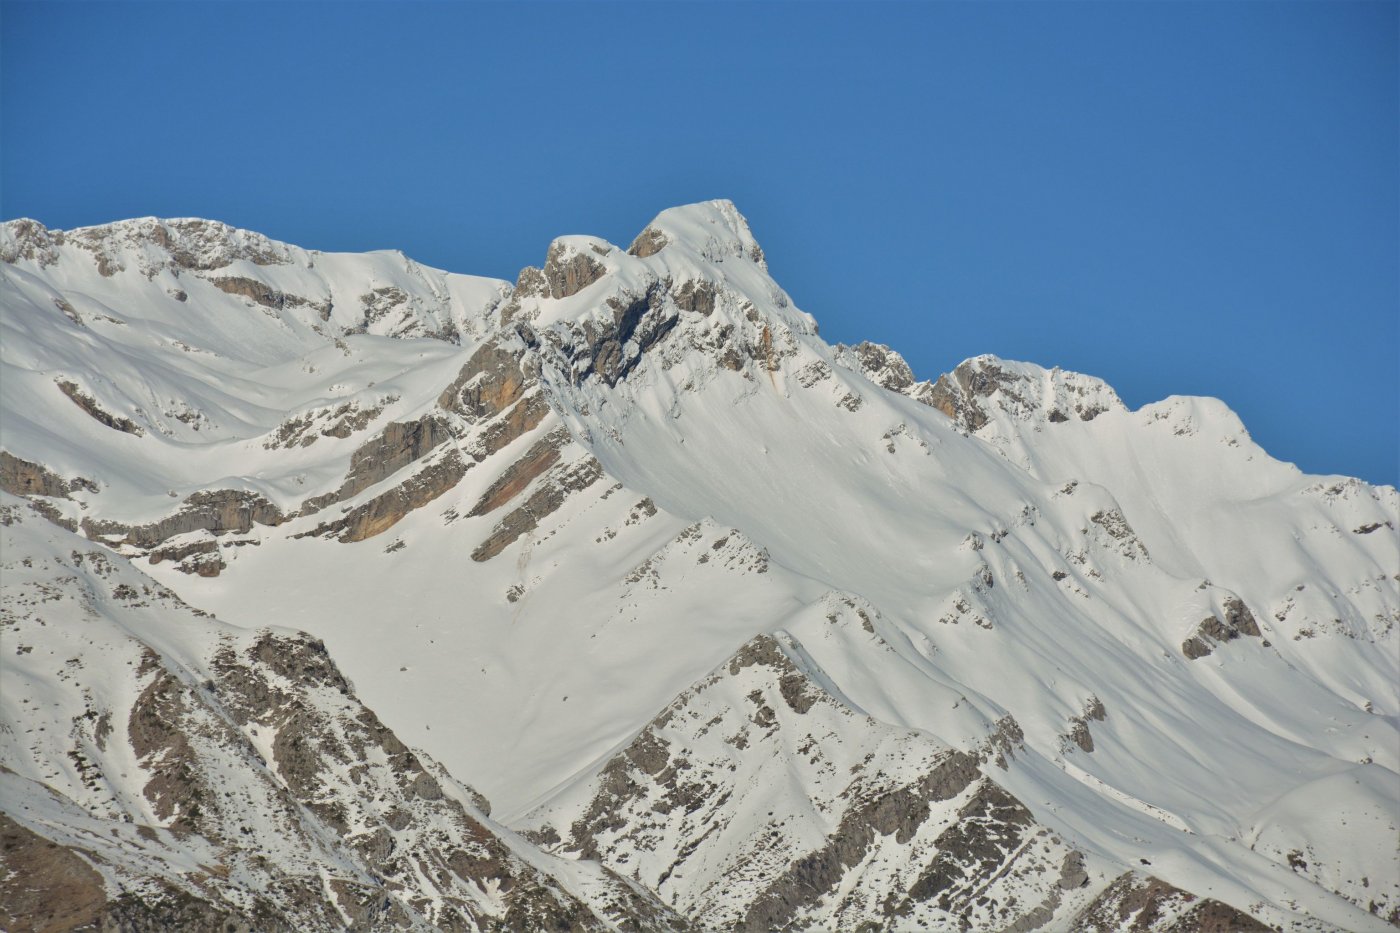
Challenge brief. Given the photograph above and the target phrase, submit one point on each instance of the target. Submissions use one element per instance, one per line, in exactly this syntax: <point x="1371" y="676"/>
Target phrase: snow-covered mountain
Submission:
<point x="735" y="629"/>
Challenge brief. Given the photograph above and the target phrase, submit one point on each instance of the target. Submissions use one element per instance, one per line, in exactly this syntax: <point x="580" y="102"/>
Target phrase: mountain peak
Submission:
<point x="714" y="229"/>
<point x="1004" y="641"/>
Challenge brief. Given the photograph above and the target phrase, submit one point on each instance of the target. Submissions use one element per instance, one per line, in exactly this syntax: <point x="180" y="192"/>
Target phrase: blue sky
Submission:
<point x="1181" y="198"/>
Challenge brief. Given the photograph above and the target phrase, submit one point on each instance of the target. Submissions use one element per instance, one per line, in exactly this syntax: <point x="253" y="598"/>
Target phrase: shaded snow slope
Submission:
<point x="527" y="518"/>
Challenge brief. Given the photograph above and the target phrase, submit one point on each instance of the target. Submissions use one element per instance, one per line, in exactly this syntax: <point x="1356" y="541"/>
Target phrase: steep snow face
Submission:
<point x="568" y="509"/>
<point x="1036" y="549"/>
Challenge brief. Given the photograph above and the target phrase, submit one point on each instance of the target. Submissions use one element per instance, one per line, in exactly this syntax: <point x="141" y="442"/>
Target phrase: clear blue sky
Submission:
<point x="1182" y="198"/>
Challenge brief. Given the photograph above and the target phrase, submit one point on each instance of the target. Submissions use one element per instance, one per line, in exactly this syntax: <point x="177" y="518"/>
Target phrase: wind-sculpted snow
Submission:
<point x="534" y="522"/>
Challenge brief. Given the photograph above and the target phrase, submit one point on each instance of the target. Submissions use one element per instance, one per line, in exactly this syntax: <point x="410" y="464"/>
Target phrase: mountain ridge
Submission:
<point x="602" y="481"/>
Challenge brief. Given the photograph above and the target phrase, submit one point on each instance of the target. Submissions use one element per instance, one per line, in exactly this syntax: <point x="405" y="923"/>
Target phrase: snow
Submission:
<point x="845" y="493"/>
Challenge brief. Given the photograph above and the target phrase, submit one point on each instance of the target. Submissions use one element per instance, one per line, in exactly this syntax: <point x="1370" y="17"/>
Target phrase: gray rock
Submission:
<point x="89" y="404"/>
<point x="569" y="272"/>
<point x="648" y="243"/>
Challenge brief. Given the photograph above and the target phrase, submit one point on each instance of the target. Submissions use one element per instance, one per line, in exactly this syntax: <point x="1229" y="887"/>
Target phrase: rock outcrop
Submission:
<point x="552" y="481"/>
<point x="648" y="243"/>
<point x="1137" y="902"/>
<point x="878" y="363"/>
<point x="1214" y="631"/>
<point x="978" y="387"/>
<point x="99" y="414"/>
<point x="219" y="511"/>
<point x="22" y="478"/>
<point x="676" y="806"/>
<point x="385" y="510"/>
<point x="569" y="269"/>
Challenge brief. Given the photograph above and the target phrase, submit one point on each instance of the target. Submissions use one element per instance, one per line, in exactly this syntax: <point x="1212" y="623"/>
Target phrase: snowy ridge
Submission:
<point x="566" y="503"/>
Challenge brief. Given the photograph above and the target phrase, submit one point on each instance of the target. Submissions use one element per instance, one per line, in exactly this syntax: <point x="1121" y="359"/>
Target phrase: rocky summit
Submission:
<point x="344" y="593"/>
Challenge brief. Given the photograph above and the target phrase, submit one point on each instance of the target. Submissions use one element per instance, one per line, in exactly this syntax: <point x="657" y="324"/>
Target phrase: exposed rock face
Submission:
<point x="341" y="421"/>
<point x="179" y="550"/>
<point x="490" y="382"/>
<point x="553" y="484"/>
<point x="901" y="813"/>
<point x="1079" y="732"/>
<point x="878" y="363"/>
<point x="568" y="269"/>
<point x="22" y="478"/>
<point x="206" y="245"/>
<point x="497" y="401"/>
<point x="51" y="887"/>
<point x="385" y="510"/>
<point x="42" y="506"/>
<point x="540" y="457"/>
<point x="1137" y="902"/>
<point x="610" y="349"/>
<point x="648" y="243"/>
<point x="45" y="886"/>
<point x="980" y="386"/>
<point x="520" y="419"/>
<point x="55" y="903"/>
<point x="956" y="393"/>
<point x="29" y="239"/>
<point x="764" y="797"/>
<point x="676" y="806"/>
<point x="531" y="283"/>
<point x="252" y="289"/>
<point x="1116" y="526"/>
<point x="400" y="444"/>
<point x="176" y="787"/>
<point x="632" y="323"/>
<point x="397" y="446"/>
<point x="218" y="511"/>
<point x="495" y="390"/>
<point x="1214" y="631"/>
<point x="191" y="244"/>
<point x="695" y="295"/>
<point x="991" y="824"/>
<point x="545" y="500"/>
<point x="378" y="303"/>
<point x="89" y="404"/>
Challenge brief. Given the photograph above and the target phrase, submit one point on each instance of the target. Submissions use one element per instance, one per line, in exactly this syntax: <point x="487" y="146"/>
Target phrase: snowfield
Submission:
<point x="733" y="628"/>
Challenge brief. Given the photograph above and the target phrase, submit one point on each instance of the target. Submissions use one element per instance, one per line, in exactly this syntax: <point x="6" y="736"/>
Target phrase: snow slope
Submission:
<point x="526" y="519"/>
<point x="193" y="761"/>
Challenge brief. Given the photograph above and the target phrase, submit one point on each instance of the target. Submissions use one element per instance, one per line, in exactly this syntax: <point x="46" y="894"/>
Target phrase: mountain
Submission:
<point x="734" y="629"/>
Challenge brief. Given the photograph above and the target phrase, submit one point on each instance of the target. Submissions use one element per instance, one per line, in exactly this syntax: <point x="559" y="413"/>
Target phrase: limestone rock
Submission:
<point x="23" y="478"/>
<point x="568" y="269"/>
<point x="90" y="405"/>
<point x="677" y="806"/>
<point x="648" y="243"/>
<point x="1137" y="902"/>
<point x="218" y="511"/>
<point x="1214" y="631"/>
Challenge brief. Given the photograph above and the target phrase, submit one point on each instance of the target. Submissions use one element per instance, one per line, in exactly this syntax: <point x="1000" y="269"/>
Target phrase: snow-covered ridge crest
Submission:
<point x="190" y="242"/>
<point x="715" y="229"/>
<point x="566" y="501"/>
